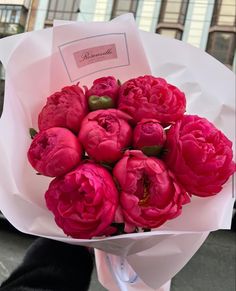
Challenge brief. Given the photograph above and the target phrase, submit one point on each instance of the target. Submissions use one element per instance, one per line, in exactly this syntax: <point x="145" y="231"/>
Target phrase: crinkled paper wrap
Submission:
<point x="34" y="70"/>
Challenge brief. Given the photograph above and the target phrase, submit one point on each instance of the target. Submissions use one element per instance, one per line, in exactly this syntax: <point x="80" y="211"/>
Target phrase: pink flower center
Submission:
<point x="109" y="123"/>
<point x="145" y="195"/>
<point x="44" y="142"/>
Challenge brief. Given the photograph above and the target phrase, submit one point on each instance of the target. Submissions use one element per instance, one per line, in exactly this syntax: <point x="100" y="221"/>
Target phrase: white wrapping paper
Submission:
<point x="37" y="64"/>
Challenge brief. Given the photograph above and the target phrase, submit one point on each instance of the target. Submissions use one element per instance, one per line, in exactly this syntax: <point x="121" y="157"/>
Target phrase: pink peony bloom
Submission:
<point x="66" y="108"/>
<point x="150" y="97"/>
<point x="105" y="86"/>
<point x="54" y="152"/>
<point x="149" y="136"/>
<point x="150" y="194"/>
<point x="84" y="201"/>
<point x="199" y="155"/>
<point x="105" y="134"/>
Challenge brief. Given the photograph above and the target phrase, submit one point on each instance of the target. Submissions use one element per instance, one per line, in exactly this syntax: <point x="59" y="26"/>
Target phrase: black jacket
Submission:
<point x="52" y="266"/>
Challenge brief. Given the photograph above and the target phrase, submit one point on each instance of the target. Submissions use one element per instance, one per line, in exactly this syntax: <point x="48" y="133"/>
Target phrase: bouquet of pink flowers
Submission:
<point x="129" y="164"/>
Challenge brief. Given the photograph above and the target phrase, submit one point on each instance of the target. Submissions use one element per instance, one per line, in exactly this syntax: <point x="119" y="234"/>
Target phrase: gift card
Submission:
<point x="85" y="51"/>
<point x="89" y="55"/>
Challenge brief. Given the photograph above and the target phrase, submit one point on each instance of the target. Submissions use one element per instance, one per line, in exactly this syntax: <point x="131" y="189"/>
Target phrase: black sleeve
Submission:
<point x="52" y="266"/>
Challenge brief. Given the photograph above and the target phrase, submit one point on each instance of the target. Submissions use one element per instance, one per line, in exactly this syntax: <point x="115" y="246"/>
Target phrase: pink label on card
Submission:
<point x="95" y="54"/>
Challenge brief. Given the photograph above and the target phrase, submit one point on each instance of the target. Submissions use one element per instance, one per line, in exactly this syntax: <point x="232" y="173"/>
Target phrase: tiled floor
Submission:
<point x="213" y="268"/>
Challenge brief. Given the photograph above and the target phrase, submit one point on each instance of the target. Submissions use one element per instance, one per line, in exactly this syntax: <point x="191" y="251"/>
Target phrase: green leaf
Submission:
<point x="152" y="150"/>
<point x="32" y="132"/>
<point x="100" y="102"/>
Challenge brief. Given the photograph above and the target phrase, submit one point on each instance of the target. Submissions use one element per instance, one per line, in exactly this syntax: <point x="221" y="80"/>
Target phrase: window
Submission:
<point x="173" y="11"/>
<point x="222" y="38"/>
<point x="12" y="19"/>
<point x="63" y="10"/>
<point x="170" y="32"/>
<point x="224" y="13"/>
<point x="221" y="45"/>
<point x="124" y="6"/>
<point x="10" y="13"/>
<point x="172" y="18"/>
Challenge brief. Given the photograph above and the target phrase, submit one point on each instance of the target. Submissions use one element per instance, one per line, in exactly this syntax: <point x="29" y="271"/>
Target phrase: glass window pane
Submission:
<point x="1" y="10"/>
<point x="170" y="32"/>
<point x="222" y="45"/>
<point x="173" y="11"/>
<point x="134" y="6"/>
<point x="23" y="16"/>
<point x="66" y="16"/>
<point x="52" y="4"/>
<point x="17" y="17"/>
<point x="117" y="13"/>
<point x="8" y="16"/>
<point x="173" y="6"/>
<point x="226" y="20"/>
<point x="12" y="29"/>
<point x="62" y="9"/>
<point x="123" y="5"/>
<point x="50" y="15"/>
<point x="58" y="15"/>
<point x="183" y="12"/>
<point x="60" y="5"/>
<point x="74" y="16"/>
<point x="4" y="13"/>
<point x="225" y="13"/>
<point x="170" y="17"/>
<point x="69" y="5"/>
<point x="227" y="8"/>
<point x="13" y="15"/>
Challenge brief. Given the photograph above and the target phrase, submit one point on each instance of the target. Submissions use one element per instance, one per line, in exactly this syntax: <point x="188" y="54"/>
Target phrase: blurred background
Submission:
<point x="206" y="24"/>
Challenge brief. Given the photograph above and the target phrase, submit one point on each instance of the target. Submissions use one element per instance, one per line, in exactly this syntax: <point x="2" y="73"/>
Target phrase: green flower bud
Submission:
<point x="100" y="102"/>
